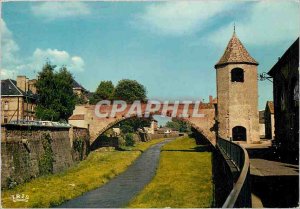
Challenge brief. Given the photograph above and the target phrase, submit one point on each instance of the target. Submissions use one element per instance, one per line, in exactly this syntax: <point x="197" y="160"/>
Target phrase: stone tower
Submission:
<point x="237" y="113"/>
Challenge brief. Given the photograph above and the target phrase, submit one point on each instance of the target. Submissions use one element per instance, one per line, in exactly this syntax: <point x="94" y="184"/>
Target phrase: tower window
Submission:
<point x="237" y="75"/>
<point x="239" y="133"/>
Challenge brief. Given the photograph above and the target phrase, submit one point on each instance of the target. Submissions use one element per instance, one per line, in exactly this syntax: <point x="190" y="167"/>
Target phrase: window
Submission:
<point x="6" y="103"/>
<point x="237" y="75"/>
<point x="5" y="119"/>
<point x="239" y="133"/>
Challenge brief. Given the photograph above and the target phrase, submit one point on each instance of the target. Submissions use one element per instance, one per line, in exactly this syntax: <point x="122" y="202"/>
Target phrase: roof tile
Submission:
<point x="235" y="52"/>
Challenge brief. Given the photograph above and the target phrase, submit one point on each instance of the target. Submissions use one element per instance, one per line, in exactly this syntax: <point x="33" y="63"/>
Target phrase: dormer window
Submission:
<point x="237" y="75"/>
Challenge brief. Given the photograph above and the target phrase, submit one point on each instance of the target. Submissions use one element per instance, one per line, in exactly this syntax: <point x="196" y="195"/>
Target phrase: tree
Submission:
<point x="56" y="100"/>
<point x="133" y="124"/>
<point x="129" y="91"/>
<point x="80" y="99"/>
<point x="178" y="125"/>
<point x="105" y="90"/>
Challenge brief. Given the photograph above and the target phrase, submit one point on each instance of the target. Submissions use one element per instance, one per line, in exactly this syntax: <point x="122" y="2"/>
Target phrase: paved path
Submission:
<point x="120" y="190"/>
<point x="274" y="184"/>
<point x="263" y="167"/>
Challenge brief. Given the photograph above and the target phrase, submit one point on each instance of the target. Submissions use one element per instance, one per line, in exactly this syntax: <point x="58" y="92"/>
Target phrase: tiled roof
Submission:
<point x="235" y="52"/>
<point x="206" y="105"/>
<point x="77" y="85"/>
<point x="270" y="105"/>
<point x="77" y="117"/>
<point x="9" y="87"/>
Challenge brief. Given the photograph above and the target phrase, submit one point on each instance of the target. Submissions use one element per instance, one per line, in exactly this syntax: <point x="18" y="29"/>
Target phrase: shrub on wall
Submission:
<point x="78" y="146"/>
<point x="46" y="161"/>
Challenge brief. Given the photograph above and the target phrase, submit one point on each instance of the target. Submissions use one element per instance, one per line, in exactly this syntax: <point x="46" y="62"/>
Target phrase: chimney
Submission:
<point x="210" y="99"/>
<point x="21" y="82"/>
<point x="31" y="86"/>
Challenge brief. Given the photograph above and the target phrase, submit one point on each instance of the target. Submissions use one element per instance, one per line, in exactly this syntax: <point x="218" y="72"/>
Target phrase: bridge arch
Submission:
<point x="123" y="118"/>
<point x="84" y="116"/>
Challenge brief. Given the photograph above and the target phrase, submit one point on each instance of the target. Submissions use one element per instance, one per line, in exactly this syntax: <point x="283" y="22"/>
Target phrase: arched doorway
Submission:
<point x="239" y="133"/>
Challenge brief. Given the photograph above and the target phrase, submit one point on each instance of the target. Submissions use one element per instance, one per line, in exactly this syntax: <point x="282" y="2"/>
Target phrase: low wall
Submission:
<point x="158" y="136"/>
<point x="31" y="151"/>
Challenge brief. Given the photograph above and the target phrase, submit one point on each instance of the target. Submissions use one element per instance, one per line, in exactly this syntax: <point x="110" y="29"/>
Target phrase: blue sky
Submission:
<point x="170" y="47"/>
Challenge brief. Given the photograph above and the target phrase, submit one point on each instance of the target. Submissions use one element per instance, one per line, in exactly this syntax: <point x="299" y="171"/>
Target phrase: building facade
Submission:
<point x="237" y="94"/>
<point x="269" y="120"/>
<point x="262" y="127"/>
<point x="80" y="92"/>
<point x="18" y="100"/>
<point x="285" y="74"/>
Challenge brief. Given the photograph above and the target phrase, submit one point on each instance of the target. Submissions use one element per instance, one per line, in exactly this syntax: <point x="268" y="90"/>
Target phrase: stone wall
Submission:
<point x="80" y="143"/>
<point x="31" y="151"/>
<point x="238" y="102"/>
<point x="158" y="136"/>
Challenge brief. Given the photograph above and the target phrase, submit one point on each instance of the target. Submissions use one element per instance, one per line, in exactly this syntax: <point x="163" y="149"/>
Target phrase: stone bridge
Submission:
<point x="84" y="116"/>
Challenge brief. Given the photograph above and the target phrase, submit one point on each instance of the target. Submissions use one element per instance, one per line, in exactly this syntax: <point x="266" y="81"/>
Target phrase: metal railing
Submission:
<point x="240" y="195"/>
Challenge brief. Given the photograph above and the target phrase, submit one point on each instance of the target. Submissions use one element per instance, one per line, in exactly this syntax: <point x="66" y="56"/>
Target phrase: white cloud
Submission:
<point x="9" y="50"/>
<point x="270" y="22"/>
<point x="56" y="57"/>
<point x="5" y="73"/>
<point x="12" y="64"/>
<point x="57" y="10"/>
<point x="180" y="17"/>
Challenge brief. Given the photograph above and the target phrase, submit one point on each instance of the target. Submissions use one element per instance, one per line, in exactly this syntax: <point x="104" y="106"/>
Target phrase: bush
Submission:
<point x="129" y="139"/>
<point x="121" y="141"/>
<point x="11" y="183"/>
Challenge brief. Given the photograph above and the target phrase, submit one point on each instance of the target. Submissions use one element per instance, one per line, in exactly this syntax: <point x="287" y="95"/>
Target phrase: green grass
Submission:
<point x="183" y="178"/>
<point x="96" y="170"/>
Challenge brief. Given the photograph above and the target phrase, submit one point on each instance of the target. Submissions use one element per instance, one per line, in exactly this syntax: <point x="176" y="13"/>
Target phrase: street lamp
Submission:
<point x="264" y="76"/>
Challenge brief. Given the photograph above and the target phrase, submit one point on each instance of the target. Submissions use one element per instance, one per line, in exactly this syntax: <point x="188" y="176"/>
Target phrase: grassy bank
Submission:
<point x="96" y="170"/>
<point x="183" y="178"/>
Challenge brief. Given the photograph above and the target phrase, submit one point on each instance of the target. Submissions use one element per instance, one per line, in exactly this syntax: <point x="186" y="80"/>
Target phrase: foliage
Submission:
<point x="126" y="128"/>
<point x="129" y="91"/>
<point x="96" y="170"/>
<point x="178" y="125"/>
<point x="129" y="141"/>
<point x="105" y="90"/>
<point x="78" y="146"/>
<point x="79" y="99"/>
<point x="182" y="180"/>
<point x="46" y="161"/>
<point x="56" y="99"/>
<point x="133" y="124"/>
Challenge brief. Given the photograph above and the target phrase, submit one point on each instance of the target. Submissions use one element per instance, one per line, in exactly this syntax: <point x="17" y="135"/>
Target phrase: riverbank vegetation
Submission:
<point x="96" y="170"/>
<point x="183" y="178"/>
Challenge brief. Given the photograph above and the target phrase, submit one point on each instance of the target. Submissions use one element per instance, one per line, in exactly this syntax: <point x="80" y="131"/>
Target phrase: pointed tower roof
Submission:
<point x="236" y="53"/>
